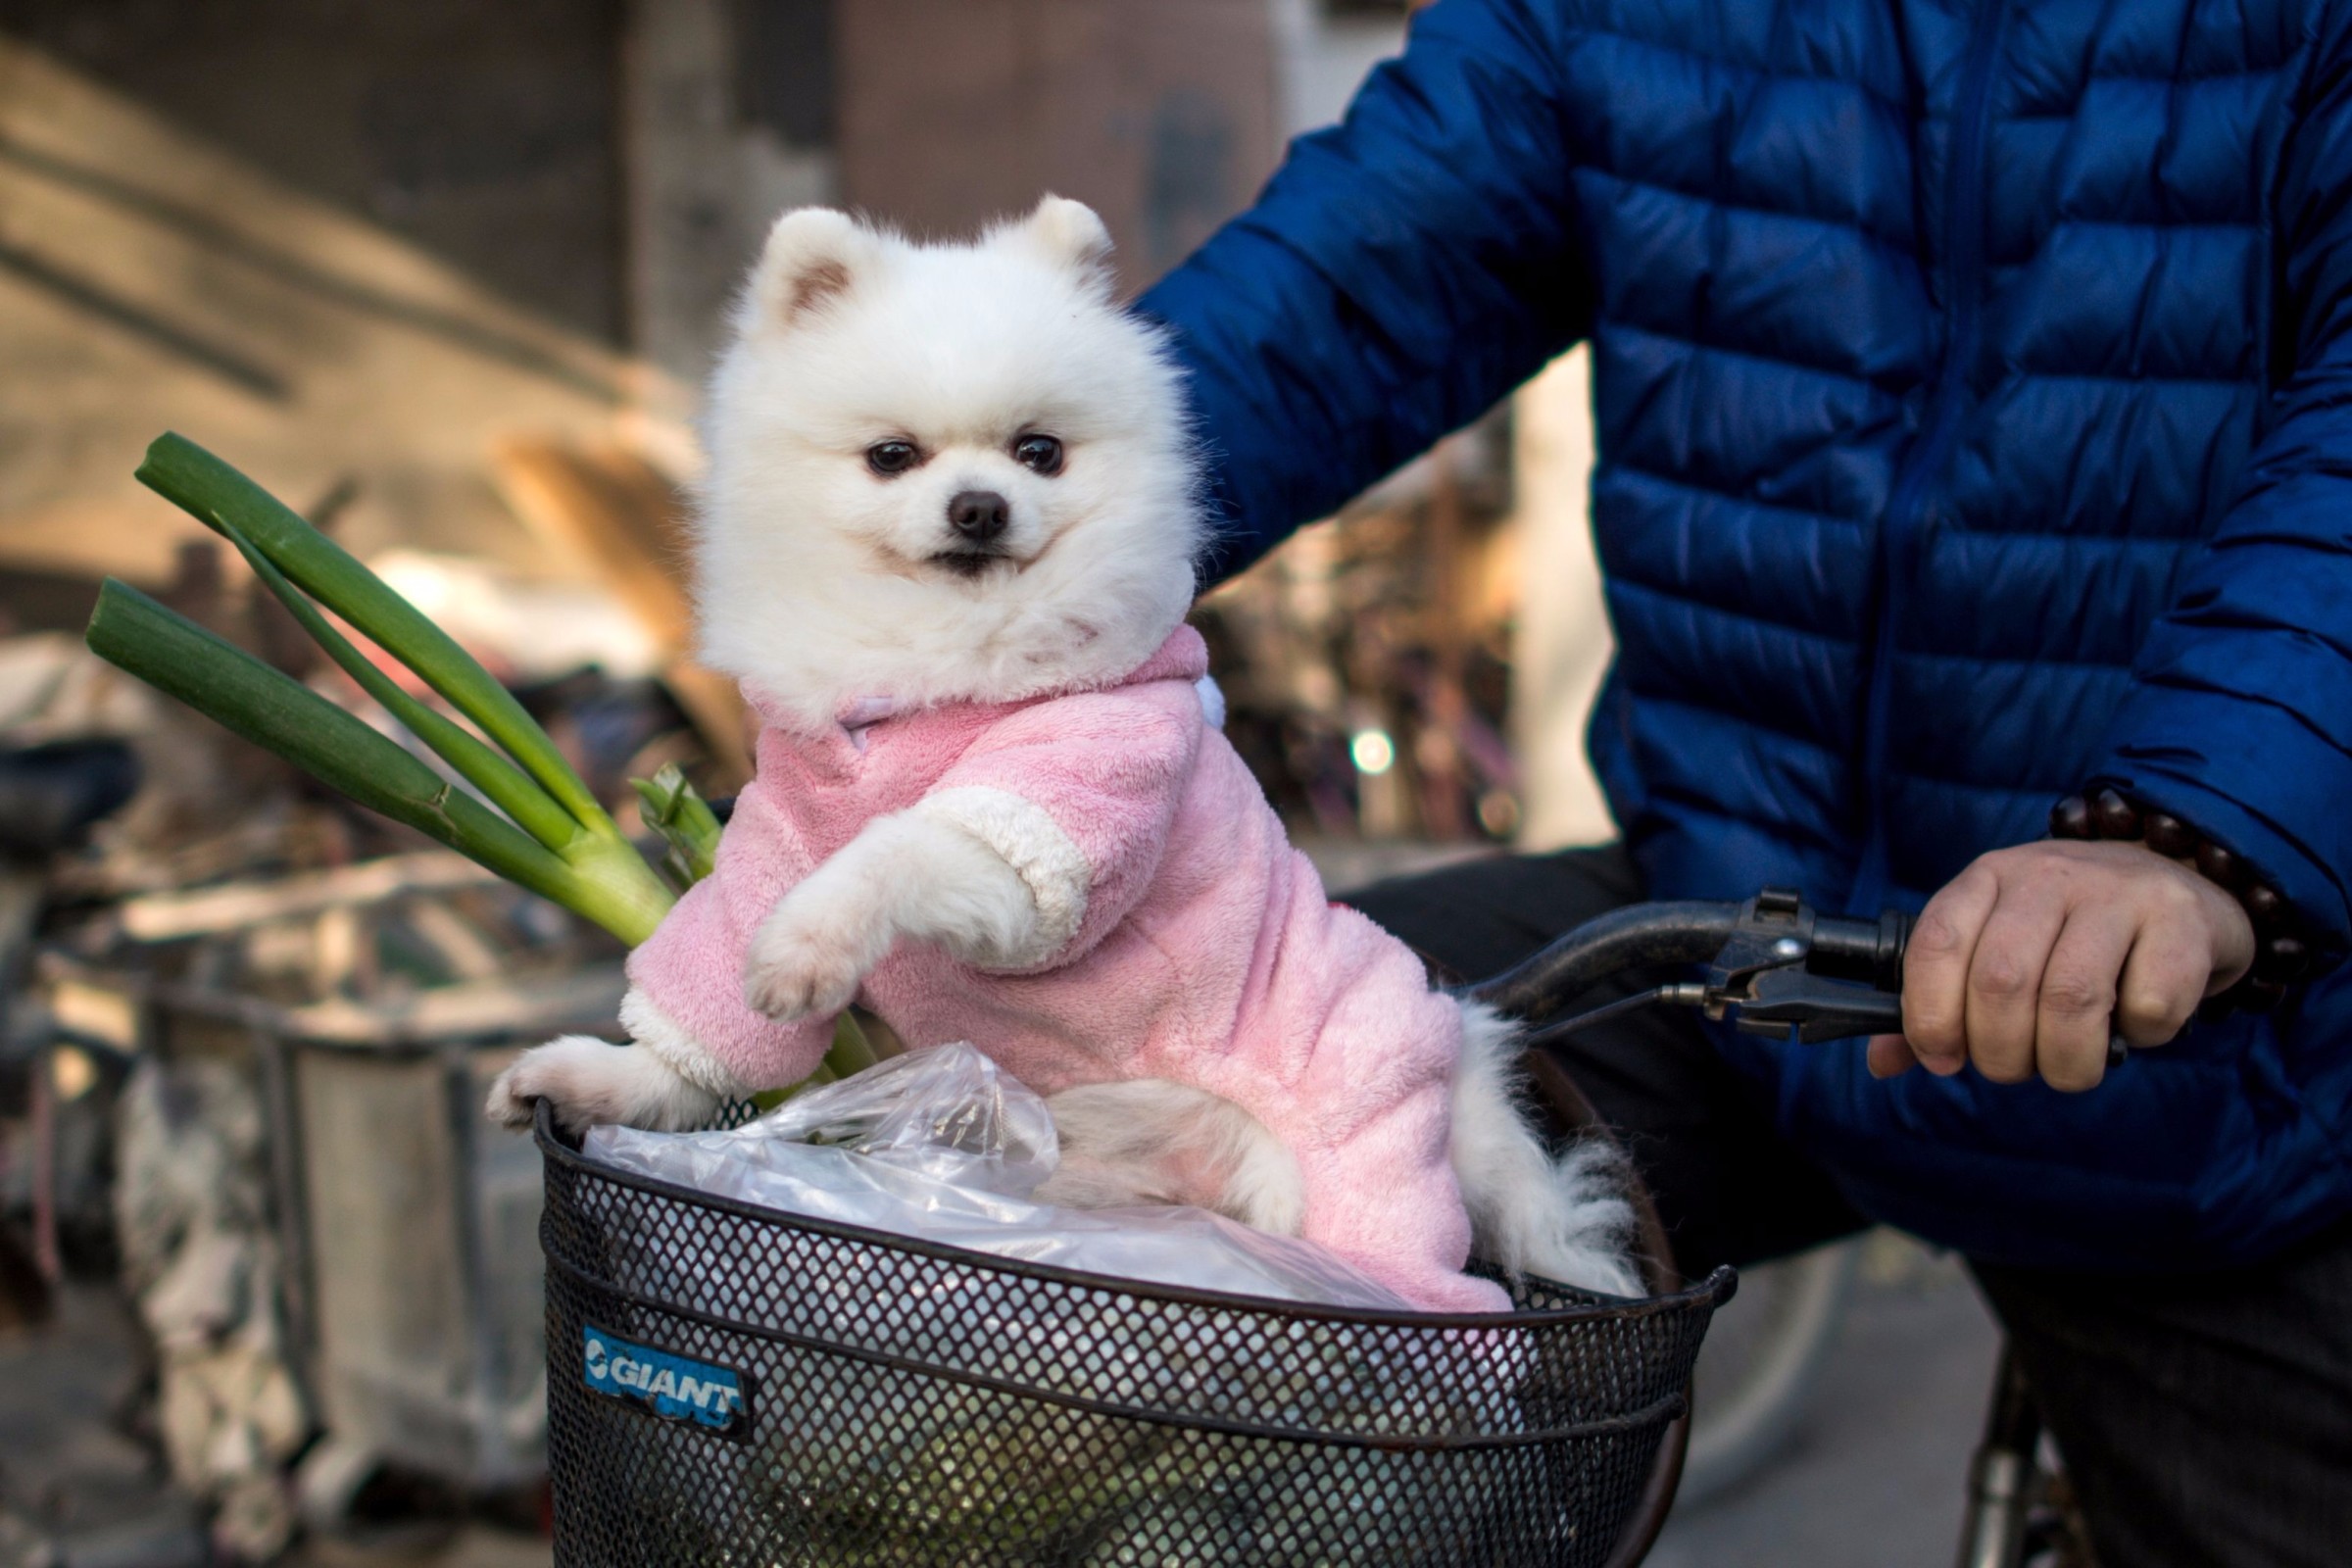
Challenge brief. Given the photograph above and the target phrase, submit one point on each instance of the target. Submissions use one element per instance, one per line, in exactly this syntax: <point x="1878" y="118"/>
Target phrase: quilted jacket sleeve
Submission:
<point x="2240" y="719"/>
<point x="1399" y="274"/>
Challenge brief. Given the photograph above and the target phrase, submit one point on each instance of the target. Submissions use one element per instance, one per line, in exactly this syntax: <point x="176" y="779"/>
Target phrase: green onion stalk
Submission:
<point x="531" y="818"/>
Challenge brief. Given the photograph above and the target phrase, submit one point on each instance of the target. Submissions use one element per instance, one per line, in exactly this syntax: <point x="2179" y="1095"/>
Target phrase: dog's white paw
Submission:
<point x="591" y="1083"/>
<point x="810" y="956"/>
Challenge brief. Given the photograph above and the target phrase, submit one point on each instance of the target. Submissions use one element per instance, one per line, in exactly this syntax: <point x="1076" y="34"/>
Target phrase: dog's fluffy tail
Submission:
<point x="1563" y="1218"/>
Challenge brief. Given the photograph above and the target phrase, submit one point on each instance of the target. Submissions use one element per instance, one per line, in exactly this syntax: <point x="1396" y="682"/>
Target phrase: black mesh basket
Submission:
<point x="733" y="1388"/>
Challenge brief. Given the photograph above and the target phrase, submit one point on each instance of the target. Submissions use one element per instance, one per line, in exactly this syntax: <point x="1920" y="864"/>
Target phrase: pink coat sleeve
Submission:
<point x="692" y="968"/>
<point x="1078" y="795"/>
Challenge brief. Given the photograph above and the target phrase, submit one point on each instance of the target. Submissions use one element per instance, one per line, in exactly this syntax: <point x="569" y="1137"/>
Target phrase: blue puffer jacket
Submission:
<point x="1974" y="400"/>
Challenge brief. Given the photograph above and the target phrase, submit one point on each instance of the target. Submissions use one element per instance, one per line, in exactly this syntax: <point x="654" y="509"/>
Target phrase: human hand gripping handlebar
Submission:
<point x="1773" y="967"/>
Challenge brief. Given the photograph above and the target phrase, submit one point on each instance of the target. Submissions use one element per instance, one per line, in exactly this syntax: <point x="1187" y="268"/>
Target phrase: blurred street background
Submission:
<point x="447" y="274"/>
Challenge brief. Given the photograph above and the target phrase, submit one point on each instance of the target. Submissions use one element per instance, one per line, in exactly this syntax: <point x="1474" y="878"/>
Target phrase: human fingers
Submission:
<point x="2075" y="1007"/>
<point x="2005" y="975"/>
<point x="1935" y="968"/>
<point x="2168" y="968"/>
<point x="1889" y="1056"/>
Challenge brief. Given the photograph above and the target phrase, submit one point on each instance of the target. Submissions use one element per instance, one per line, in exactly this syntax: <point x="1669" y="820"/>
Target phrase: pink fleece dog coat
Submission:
<point x="1183" y="938"/>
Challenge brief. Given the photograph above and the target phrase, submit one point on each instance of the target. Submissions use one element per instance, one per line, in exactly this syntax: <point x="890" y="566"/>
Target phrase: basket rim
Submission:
<point x="1657" y="1413"/>
<point x="1712" y="1292"/>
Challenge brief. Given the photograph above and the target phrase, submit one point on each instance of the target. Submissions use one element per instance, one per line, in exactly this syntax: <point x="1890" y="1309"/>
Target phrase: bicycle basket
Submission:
<point x="730" y="1385"/>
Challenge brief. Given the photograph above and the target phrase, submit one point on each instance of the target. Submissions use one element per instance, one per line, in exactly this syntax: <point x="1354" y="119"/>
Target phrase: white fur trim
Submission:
<point x="1566" y="1220"/>
<point x="1212" y="701"/>
<point x="654" y="1030"/>
<point x="1034" y="845"/>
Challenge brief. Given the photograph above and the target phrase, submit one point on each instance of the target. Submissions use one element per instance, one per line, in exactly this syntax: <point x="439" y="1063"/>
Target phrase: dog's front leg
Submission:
<point x="914" y="874"/>
<point x="664" y="1082"/>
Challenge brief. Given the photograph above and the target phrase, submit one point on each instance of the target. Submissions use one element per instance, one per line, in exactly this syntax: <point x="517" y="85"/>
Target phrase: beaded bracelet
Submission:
<point x="2282" y="951"/>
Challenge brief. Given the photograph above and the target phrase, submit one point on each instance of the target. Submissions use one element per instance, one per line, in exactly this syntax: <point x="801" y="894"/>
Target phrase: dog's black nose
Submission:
<point x="979" y="515"/>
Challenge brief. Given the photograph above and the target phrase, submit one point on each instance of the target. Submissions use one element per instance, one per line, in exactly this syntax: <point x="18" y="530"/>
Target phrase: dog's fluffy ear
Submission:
<point x="1070" y="234"/>
<point x="814" y="255"/>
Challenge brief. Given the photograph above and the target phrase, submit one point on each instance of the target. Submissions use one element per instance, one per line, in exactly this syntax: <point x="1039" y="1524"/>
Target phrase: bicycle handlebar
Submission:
<point x="1640" y="936"/>
<point x="1773" y="966"/>
<point x="1644" y="936"/>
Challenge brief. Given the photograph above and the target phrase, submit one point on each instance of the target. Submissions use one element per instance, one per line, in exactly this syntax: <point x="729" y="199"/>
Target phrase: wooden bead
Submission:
<point x="2220" y="865"/>
<point x="2283" y="954"/>
<point x="2070" y="819"/>
<point x="2113" y="816"/>
<point x="2282" y="959"/>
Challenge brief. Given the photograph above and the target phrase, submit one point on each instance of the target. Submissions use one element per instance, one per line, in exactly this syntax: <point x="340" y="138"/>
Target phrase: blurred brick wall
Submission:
<point x="1162" y="116"/>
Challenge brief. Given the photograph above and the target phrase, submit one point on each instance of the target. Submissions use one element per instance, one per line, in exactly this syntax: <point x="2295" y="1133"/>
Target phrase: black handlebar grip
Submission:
<point x="1862" y="949"/>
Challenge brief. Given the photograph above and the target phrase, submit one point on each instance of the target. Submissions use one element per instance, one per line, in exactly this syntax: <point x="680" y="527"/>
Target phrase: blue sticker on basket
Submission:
<point x="674" y="1388"/>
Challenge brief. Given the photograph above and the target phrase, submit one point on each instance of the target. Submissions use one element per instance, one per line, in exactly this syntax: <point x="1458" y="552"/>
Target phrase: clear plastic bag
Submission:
<point x="943" y="1145"/>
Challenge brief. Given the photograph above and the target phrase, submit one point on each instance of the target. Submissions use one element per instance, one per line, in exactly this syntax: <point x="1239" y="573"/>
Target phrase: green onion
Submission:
<point x="553" y="838"/>
<point x="225" y="501"/>
<point x="685" y="822"/>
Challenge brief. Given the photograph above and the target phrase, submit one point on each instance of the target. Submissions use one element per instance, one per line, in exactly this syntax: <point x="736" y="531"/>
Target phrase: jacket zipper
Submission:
<point x="1907" y="501"/>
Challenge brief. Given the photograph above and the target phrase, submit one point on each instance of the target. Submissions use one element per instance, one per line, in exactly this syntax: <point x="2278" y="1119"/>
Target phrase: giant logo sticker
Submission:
<point x="674" y="1388"/>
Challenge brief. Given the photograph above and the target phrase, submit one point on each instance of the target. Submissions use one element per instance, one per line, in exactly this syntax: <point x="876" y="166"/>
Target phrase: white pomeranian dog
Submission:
<point x="947" y="540"/>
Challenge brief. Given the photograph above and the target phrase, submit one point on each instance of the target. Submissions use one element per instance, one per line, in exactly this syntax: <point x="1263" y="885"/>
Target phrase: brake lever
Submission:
<point x="1771" y="1002"/>
<point x="1763" y="981"/>
<point x="1819" y="1010"/>
<point x="1768" y="978"/>
<point x="1778" y="1001"/>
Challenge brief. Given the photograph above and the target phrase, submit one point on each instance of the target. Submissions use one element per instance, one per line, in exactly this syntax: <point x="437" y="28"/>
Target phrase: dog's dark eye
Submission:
<point x="1040" y="454"/>
<point x="891" y="458"/>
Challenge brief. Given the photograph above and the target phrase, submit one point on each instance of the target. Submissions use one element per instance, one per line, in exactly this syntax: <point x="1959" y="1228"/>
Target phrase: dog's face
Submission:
<point x="968" y="450"/>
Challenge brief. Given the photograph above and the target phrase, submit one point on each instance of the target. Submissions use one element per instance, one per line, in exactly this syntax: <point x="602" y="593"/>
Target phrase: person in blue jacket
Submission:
<point x="1974" y="394"/>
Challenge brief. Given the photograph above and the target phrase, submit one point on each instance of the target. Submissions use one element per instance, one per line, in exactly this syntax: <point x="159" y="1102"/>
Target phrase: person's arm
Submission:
<point x="2240" y="716"/>
<point x="1399" y="274"/>
<point x="2240" y="720"/>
